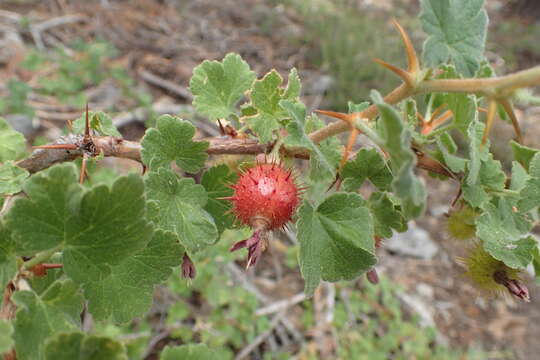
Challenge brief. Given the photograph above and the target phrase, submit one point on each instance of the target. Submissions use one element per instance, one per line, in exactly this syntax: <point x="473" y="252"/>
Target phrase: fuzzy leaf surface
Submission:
<point x="172" y="141"/>
<point x="214" y="181"/>
<point x="56" y="310"/>
<point x="11" y="178"/>
<point x="336" y="239"/>
<point x="180" y="203"/>
<point x="109" y="227"/>
<point x="463" y="106"/>
<point x="40" y="221"/>
<point x="126" y="291"/>
<point x="530" y="194"/>
<point x="367" y="165"/>
<point x="95" y="230"/>
<point x="12" y="143"/>
<point x="78" y="346"/>
<point x="265" y="98"/>
<point x="8" y="260"/>
<point x="522" y="154"/>
<point x="298" y="137"/>
<point x="329" y="148"/>
<point x="453" y="162"/>
<point x="396" y="138"/>
<point x="503" y="234"/>
<point x="189" y="352"/>
<point x="456" y="31"/>
<point x="6" y="339"/>
<point x="218" y="86"/>
<point x="385" y="215"/>
<point x="477" y="152"/>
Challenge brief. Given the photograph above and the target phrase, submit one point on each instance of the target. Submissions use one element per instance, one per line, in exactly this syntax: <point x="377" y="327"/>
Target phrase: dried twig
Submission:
<point x="165" y="84"/>
<point x="281" y="305"/>
<point x="37" y="29"/>
<point x="261" y="338"/>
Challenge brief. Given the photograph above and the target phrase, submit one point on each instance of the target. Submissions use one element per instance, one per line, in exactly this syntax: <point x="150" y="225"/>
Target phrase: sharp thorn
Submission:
<point x="221" y="128"/>
<point x="404" y="75"/>
<point x="492" y="109"/>
<point x="226" y="198"/>
<point x="508" y="108"/>
<point x="86" y="124"/>
<point x="337" y="115"/>
<point x="412" y="58"/>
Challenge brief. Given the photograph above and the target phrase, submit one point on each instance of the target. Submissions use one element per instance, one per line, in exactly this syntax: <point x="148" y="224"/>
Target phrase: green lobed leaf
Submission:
<point x="189" y="352"/>
<point x="536" y="264"/>
<point x="266" y="96"/>
<point x="368" y="164"/>
<point x="109" y="226"/>
<point x="79" y="346"/>
<point x="477" y="152"/>
<point x="95" y="230"/>
<point x="502" y="232"/>
<point x="530" y="194"/>
<point x="172" y="141"/>
<point x="456" y="31"/>
<point x="386" y="215"/>
<point x="12" y="143"/>
<point x="39" y="222"/>
<point x="519" y="177"/>
<point x="463" y="106"/>
<point x="453" y="162"/>
<point x="491" y="174"/>
<point x="11" y="178"/>
<point x="336" y="239"/>
<point x="99" y="121"/>
<point x="56" y="310"/>
<point x="297" y="136"/>
<point x="329" y="148"/>
<point x="215" y="181"/>
<point x="134" y="279"/>
<point x="180" y="205"/>
<point x="8" y="260"/>
<point x="396" y="138"/>
<point x="6" y="336"/>
<point x="218" y="86"/>
<point x="475" y="195"/>
<point x="522" y="154"/>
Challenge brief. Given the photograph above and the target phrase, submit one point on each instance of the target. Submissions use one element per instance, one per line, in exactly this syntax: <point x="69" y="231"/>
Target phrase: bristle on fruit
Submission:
<point x="265" y="198"/>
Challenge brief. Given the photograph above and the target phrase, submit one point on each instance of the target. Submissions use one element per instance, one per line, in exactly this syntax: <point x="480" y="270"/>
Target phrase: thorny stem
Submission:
<point x="400" y="93"/>
<point x="116" y="147"/>
<point x="497" y="87"/>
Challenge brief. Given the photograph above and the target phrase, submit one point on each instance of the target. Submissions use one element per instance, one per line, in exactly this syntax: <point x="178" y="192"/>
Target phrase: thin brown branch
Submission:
<point x="116" y="147"/>
<point x="111" y="146"/>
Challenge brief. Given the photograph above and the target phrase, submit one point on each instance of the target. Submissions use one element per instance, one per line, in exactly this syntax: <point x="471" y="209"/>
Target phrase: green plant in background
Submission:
<point x="104" y="247"/>
<point x="342" y="36"/>
<point x="15" y="101"/>
<point x="65" y="74"/>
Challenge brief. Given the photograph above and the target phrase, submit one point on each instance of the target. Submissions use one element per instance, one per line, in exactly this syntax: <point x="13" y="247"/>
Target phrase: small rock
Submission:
<point x="424" y="290"/>
<point x="415" y="242"/>
<point x="22" y="123"/>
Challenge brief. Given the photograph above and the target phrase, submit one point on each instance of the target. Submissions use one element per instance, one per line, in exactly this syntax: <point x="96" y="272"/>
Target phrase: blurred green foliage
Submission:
<point x="64" y="73"/>
<point x="341" y="35"/>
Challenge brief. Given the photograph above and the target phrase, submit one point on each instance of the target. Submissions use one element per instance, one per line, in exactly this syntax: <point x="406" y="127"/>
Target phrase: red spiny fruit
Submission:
<point x="265" y="198"/>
